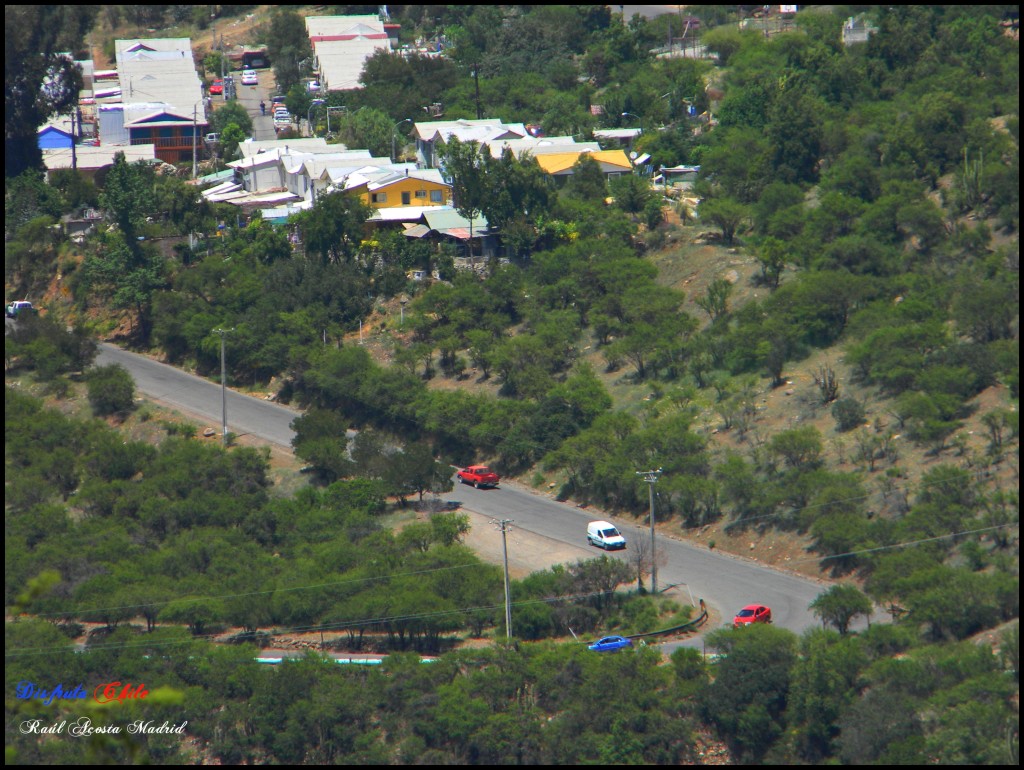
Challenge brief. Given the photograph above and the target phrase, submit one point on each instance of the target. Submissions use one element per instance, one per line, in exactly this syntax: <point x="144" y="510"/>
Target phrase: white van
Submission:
<point x="604" y="535"/>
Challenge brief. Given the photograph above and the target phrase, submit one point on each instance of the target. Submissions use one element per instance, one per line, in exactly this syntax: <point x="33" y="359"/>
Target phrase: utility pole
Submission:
<point x="651" y="477"/>
<point x="503" y="525"/>
<point x="195" y="121"/>
<point x="476" y="77"/>
<point x="223" y="388"/>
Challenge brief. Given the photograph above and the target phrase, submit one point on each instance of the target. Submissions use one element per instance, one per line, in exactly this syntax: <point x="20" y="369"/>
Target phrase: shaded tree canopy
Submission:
<point x="39" y="78"/>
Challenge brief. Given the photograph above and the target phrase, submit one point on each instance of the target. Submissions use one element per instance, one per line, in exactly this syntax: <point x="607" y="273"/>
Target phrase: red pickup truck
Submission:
<point x="479" y="476"/>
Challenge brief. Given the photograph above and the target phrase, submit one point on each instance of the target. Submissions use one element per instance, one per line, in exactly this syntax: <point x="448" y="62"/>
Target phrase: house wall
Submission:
<point x="173" y="143"/>
<point x="410" y="186"/>
<point x="54" y="140"/>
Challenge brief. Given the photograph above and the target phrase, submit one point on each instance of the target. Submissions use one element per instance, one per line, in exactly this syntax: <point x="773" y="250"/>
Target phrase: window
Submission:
<point x="421" y="193"/>
<point x="378" y="197"/>
<point x="406" y="198"/>
<point x="435" y="196"/>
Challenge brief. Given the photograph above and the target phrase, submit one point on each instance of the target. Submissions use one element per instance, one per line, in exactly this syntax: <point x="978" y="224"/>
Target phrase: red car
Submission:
<point x="752" y="613"/>
<point x="479" y="476"/>
<point x="217" y="87"/>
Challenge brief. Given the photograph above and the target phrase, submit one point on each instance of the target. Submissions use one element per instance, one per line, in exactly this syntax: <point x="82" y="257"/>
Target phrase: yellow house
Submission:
<point x="560" y="164"/>
<point x="387" y="188"/>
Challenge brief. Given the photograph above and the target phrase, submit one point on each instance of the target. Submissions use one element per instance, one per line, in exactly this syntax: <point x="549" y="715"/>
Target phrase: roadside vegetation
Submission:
<point x="872" y="190"/>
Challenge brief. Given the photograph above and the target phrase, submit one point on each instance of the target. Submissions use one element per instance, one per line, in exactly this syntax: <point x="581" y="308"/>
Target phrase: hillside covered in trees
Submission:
<point x="861" y="204"/>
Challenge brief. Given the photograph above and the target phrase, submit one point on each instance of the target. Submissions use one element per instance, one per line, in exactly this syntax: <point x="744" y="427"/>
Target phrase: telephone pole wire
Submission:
<point x="651" y="477"/>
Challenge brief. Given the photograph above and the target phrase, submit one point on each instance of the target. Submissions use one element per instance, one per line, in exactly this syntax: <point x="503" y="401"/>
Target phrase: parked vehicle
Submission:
<point x="217" y="87"/>
<point x="479" y="476"/>
<point x="604" y="535"/>
<point x="19" y="307"/>
<point x="752" y="613"/>
<point x="250" y="78"/>
<point x="610" y="644"/>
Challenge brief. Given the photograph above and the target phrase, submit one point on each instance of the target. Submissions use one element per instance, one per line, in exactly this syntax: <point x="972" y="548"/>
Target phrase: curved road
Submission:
<point x="726" y="583"/>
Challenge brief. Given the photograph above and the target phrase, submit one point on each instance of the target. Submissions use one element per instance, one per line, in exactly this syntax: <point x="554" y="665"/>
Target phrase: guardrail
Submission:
<point x="688" y="626"/>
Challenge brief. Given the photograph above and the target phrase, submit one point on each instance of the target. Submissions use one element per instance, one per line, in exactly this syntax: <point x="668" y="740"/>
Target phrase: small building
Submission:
<point x="617" y="137"/>
<point x="446" y="225"/>
<point x="560" y="165"/>
<point x="385" y="188"/>
<point x="91" y="161"/>
<point x="55" y="137"/>
<point x="432" y="136"/>
<point x="342" y="44"/>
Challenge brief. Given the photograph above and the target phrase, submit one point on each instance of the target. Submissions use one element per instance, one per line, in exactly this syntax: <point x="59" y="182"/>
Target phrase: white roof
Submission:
<point x="340" y="62"/>
<point x="254" y="147"/>
<point x="161" y="70"/>
<point x="617" y="133"/>
<point x="87" y="157"/>
<point x="343" y="25"/>
<point x="403" y="213"/>
<point x="540" y="145"/>
<point x="484" y="131"/>
<point x="286" y="210"/>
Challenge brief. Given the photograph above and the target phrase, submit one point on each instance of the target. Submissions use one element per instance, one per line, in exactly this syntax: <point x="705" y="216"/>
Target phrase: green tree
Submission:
<point x="230" y="138"/>
<point x="631" y="193"/>
<point x="464" y="167"/>
<point x="333" y="228"/>
<point x="369" y="128"/>
<point x="839" y="605"/>
<point x="848" y="413"/>
<point x="726" y="214"/>
<point x="228" y="113"/>
<point x="127" y="273"/>
<point x="111" y="389"/>
<point x="747" y="699"/>
<point x="587" y="181"/>
<point x="288" y="48"/>
<point x="800" y="448"/>
<point x="128" y="196"/>
<point x="824" y="684"/>
<point x="40" y="79"/>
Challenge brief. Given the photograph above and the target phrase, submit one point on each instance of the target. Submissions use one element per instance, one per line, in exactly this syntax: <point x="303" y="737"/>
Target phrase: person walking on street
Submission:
<point x="263" y="108"/>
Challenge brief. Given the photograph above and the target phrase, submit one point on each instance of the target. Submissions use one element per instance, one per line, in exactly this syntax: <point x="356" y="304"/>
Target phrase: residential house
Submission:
<point x="341" y="46"/>
<point x="446" y="225"/>
<point x="540" y="146"/>
<point x="617" y="137"/>
<point x="432" y="136"/>
<point x="613" y="163"/>
<point x="388" y="188"/>
<point x="55" y="136"/>
<point x="90" y="161"/>
<point x="161" y="99"/>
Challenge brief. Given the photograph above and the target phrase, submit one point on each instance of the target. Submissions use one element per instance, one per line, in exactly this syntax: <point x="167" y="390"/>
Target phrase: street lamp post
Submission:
<point x="394" y="128"/>
<point x="309" y="115"/>
<point x="627" y="114"/>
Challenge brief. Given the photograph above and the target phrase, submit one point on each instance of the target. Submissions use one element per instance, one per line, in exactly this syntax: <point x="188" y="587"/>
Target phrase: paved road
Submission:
<point x="202" y="398"/>
<point x="726" y="583"/>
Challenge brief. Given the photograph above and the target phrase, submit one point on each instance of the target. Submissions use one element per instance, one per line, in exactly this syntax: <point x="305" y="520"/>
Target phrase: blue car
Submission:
<point x="610" y="644"/>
